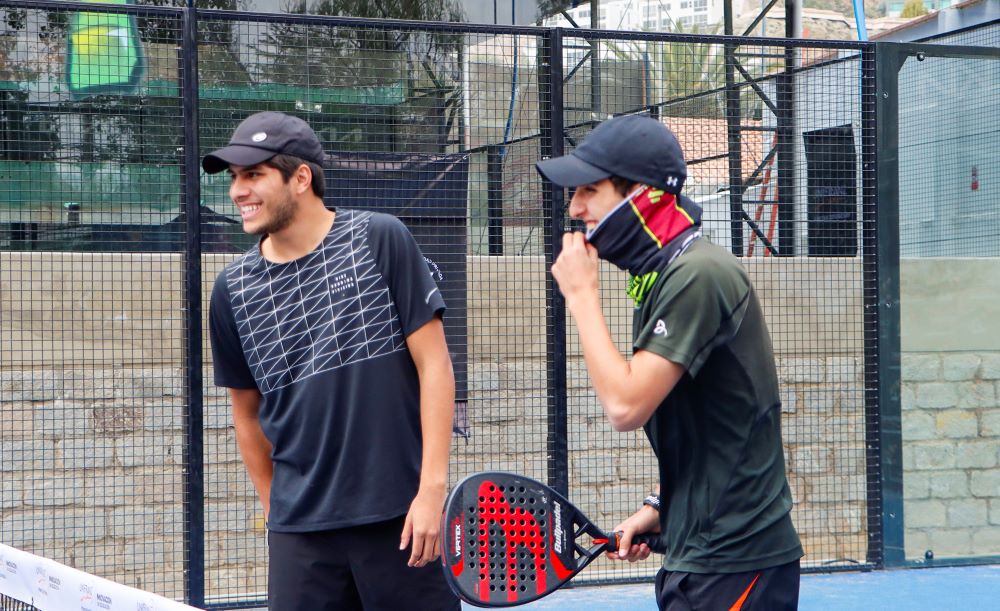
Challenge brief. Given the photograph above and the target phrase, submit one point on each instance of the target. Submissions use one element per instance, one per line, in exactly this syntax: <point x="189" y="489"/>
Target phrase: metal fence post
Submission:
<point x="870" y="270"/>
<point x="552" y="134"/>
<point x="733" y="120"/>
<point x="193" y="459"/>
<point x="888" y="61"/>
<point x="494" y="199"/>
<point x="785" y="102"/>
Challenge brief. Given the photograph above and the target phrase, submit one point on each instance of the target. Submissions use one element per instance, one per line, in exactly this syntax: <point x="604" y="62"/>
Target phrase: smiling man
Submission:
<point x="328" y="335"/>
<point x="701" y="382"/>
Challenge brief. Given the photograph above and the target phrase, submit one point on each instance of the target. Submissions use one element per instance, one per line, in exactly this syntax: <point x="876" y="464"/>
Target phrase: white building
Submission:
<point x="893" y="8"/>
<point x="649" y="15"/>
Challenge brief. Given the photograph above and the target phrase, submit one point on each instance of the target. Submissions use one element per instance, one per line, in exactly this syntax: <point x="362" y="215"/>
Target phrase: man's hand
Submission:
<point x="646" y="520"/>
<point x="423" y="524"/>
<point x="576" y="269"/>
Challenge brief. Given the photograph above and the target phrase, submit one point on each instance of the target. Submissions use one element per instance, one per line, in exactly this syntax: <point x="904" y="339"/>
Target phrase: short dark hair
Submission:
<point x="623" y="186"/>
<point x="287" y="164"/>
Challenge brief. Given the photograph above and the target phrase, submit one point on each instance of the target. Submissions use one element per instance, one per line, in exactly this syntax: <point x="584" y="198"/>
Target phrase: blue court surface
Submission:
<point x="974" y="588"/>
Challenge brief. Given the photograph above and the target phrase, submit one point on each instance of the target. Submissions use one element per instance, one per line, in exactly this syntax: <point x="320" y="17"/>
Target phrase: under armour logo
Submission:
<point x="672" y="181"/>
<point x="661" y="328"/>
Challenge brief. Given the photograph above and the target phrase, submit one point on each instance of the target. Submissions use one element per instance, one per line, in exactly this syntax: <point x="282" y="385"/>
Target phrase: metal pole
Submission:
<point x="870" y="270"/>
<point x="193" y="459"/>
<point x="595" y="62"/>
<point x="494" y="200"/>
<point x="888" y="424"/>
<point x="733" y="137"/>
<point x="552" y="135"/>
<point x="787" y="137"/>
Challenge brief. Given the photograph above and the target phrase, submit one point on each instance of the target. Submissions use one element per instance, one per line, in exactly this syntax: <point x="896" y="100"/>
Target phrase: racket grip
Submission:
<point x="652" y="540"/>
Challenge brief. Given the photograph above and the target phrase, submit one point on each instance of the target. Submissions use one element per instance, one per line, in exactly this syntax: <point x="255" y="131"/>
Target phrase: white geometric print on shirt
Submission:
<point x="327" y="309"/>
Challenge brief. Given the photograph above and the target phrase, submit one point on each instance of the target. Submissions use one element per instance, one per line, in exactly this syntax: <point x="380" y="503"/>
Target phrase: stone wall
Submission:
<point x="950" y="327"/>
<point x="92" y="392"/>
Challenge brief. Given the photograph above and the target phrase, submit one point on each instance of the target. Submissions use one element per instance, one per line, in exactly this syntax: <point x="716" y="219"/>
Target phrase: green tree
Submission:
<point x="547" y="8"/>
<point x="873" y="8"/>
<point x="341" y="56"/>
<point x="913" y="8"/>
<point x="678" y="71"/>
<point x="684" y="69"/>
<point x="167" y="29"/>
<point x="322" y="56"/>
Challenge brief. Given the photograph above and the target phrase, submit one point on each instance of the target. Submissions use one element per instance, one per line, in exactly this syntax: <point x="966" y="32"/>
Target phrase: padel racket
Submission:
<point x="508" y="540"/>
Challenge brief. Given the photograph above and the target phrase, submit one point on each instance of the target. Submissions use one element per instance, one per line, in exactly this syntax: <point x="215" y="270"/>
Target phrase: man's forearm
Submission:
<point x="255" y="450"/>
<point x="608" y="369"/>
<point x="629" y="390"/>
<point x="429" y="350"/>
<point x="437" y="407"/>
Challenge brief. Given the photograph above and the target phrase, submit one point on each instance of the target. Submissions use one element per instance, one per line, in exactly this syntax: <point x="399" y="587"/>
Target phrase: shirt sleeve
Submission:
<point x="696" y="307"/>
<point x="407" y="272"/>
<point x="228" y="362"/>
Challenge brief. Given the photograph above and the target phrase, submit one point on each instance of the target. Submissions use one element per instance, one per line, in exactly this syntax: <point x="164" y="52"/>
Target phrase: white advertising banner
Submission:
<point x="51" y="586"/>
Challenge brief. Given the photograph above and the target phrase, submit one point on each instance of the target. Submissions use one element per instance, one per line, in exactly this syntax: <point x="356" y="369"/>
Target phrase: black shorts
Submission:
<point x="359" y="568"/>
<point x="773" y="589"/>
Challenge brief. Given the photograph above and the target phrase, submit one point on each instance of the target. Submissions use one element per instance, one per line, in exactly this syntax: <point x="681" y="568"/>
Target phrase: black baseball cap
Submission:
<point x="262" y="136"/>
<point x="635" y="147"/>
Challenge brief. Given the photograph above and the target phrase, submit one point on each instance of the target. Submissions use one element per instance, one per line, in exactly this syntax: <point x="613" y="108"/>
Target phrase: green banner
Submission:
<point x="104" y="53"/>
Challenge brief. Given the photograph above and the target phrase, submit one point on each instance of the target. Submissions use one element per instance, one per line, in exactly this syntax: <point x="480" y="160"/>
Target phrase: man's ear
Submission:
<point x="302" y="179"/>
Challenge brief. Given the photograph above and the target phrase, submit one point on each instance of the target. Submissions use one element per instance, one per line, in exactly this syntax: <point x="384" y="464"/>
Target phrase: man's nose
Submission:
<point x="575" y="206"/>
<point x="237" y="190"/>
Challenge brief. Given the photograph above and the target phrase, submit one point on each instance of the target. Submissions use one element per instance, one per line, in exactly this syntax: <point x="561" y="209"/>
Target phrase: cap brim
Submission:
<point x="570" y="171"/>
<point x="234" y="154"/>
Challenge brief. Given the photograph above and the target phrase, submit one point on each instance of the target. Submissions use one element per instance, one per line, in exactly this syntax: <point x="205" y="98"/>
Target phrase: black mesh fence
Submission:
<point x="979" y="35"/>
<point x="119" y="455"/>
<point x="949" y="241"/>
<point x="92" y="359"/>
<point x="8" y="603"/>
<point x="776" y="137"/>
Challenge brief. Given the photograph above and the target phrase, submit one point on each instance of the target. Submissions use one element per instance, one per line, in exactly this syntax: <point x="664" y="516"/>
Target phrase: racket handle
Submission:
<point x="652" y="540"/>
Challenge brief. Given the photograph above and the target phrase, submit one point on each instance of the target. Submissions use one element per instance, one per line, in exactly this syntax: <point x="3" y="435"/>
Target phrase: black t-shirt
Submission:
<point x="323" y="338"/>
<point x="725" y="497"/>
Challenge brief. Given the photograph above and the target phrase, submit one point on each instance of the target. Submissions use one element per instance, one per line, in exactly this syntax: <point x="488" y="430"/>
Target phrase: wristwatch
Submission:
<point x="653" y="500"/>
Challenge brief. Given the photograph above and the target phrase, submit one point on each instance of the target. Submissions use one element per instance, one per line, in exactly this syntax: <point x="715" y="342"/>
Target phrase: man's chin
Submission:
<point x="254" y="229"/>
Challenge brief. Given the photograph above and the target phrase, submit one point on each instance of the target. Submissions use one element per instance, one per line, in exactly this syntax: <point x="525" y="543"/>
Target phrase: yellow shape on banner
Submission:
<point x="104" y="53"/>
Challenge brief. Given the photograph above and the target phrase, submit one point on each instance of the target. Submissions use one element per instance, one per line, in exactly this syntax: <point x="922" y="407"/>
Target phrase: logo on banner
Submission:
<point x="104" y="53"/>
<point x="103" y="601"/>
<point x="86" y="595"/>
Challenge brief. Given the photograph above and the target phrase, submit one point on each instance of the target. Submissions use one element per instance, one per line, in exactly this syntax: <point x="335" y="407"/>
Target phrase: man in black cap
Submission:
<point x="328" y="335"/>
<point x="701" y="382"/>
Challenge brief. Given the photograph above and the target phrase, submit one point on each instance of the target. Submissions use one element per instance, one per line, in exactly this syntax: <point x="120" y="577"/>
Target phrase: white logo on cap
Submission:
<point x="672" y="181"/>
<point x="259" y="137"/>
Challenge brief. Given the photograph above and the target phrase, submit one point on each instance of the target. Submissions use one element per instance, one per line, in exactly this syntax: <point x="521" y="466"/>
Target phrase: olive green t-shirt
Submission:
<point x="717" y="436"/>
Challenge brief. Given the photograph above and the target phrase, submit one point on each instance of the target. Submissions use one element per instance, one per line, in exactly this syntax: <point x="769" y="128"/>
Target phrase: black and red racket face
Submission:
<point x="507" y="540"/>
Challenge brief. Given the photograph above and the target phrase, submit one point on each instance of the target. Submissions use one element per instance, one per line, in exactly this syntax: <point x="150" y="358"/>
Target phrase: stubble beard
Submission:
<point x="282" y="214"/>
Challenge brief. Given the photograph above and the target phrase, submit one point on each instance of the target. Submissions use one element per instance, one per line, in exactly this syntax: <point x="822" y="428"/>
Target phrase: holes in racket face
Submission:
<point x="509" y="533"/>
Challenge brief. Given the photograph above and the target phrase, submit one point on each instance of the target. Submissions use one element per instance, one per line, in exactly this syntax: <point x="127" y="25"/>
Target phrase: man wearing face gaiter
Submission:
<point x="701" y="382"/>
